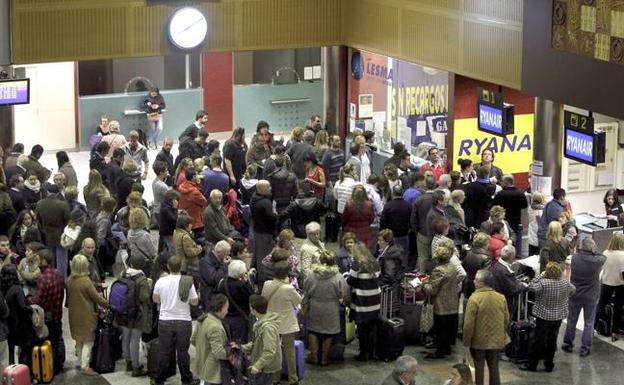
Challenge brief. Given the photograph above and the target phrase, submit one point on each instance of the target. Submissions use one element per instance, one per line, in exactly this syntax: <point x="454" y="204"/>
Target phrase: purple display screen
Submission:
<point x="15" y="91"/>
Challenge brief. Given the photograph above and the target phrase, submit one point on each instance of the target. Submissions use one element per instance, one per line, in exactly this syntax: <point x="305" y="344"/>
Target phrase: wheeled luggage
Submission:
<point x="521" y="332"/>
<point x="107" y="347"/>
<point x="299" y="358"/>
<point x="17" y="374"/>
<point x="42" y="362"/>
<point x="411" y="307"/>
<point x="346" y="335"/>
<point x="391" y="331"/>
<point x="153" y="349"/>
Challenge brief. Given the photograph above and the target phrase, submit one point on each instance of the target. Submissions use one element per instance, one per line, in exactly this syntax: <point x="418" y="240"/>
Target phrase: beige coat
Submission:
<point x="283" y="299"/>
<point x="210" y="340"/>
<point x="186" y="248"/>
<point x="442" y="288"/>
<point x="82" y="301"/>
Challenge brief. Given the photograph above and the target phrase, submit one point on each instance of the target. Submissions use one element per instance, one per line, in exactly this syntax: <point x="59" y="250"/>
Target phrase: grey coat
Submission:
<point x="140" y="243"/>
<point x="71" y="179"/>
<point x="324" y="288"/>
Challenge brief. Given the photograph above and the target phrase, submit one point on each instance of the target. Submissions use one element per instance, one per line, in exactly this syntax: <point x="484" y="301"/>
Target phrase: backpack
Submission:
<point x="124" y="298"/>
<point x="38" y="320"/>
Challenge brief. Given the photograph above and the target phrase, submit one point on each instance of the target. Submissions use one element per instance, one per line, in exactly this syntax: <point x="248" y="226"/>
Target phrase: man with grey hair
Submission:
<point x="137" y="152"/>
<point x="213" y="268"/>
<point x="513" y="200"/>
<point x="585" y="276"/>
<point x="312" y="247"/>
<point x="404" y="372"/>
<point x="485" y="327"/>
<point x="504" y="280"/>
<point x="217" y="226"/>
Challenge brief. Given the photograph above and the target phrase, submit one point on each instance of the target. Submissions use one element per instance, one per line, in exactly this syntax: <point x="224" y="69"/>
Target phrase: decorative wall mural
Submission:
<point x="593" y="28"/>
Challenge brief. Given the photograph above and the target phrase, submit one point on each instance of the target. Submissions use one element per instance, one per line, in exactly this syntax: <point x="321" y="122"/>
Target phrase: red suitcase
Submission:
<point x="16" y="375"/>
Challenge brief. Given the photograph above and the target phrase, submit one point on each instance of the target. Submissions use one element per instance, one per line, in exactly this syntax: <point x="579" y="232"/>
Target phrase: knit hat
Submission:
<point x="76" y="215"/>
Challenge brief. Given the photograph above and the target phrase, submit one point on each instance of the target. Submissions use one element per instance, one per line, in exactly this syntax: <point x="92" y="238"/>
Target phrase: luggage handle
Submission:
<point x="525" y="294"/>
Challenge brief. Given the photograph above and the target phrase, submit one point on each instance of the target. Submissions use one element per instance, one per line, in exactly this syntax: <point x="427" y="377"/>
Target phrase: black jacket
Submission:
<point x="432" y="215"/>
<point x="283" y="186"/>
<point x="190" y="149"/>
<point x="189" y="133"/>
<point x="264" y="219"/>
<point x="4" y="316"/>
<point x="420" y="211"/>
<point x="477" y="203"/>
<point x="97" y="162"/>
<point x="396" y="217"/>
<point x="15" y="170"/>
<point x="393" y="264"/>
<point x="124" y="188"/>
<point x="211" y="271"/>
<point x="112" y="175"/>
<point x="303" y="210"/>
<point x="476" y="260"/>
<point x="504" y="281"/>
<point x="167" y="218"/>
<point x="167" y="159"/>
<point x="298" y="153"/>
<point x="18" y="198"/>
<point x="512" y="199"/>
<point x="238" y="292"/>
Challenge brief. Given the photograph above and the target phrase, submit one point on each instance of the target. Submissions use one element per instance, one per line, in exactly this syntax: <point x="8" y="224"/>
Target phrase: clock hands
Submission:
<point x="192" y="25"/>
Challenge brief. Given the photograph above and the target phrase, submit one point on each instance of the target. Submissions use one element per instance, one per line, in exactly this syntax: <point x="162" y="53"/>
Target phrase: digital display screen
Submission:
<point x="491" y="119"/>
<point x="579" y="146"/>
<point x="14" y="91"/>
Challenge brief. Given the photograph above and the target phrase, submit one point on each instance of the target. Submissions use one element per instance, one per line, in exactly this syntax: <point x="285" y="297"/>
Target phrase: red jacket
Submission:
<point x="437" y="169"/>
<point x="193" y="201"/>
<point x="359" y="221"/>
<point x="495" y="247"/>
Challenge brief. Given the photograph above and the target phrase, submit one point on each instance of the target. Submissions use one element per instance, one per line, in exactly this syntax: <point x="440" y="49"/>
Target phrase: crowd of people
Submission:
<point x="240" y="249"/>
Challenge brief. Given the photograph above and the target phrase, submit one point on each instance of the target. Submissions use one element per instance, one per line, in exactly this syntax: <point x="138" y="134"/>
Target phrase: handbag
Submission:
<point x="426" y="317"/>
<point x="153" y="116"/>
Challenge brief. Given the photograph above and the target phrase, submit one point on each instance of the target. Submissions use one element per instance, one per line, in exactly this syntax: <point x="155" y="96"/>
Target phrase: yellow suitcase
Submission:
<point x="43" y="366"/>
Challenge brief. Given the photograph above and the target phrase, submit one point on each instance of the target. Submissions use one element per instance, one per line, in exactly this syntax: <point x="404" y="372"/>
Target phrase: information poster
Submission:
<point x="365" y="106"/>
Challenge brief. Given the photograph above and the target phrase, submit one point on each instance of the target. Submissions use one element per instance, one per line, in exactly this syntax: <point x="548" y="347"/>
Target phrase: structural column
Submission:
<point x="548" y="138"/>
<point x="333" y="60"/>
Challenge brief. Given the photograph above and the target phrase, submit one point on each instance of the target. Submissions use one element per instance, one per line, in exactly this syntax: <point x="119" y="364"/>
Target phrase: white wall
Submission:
<point x="49" y="119"/>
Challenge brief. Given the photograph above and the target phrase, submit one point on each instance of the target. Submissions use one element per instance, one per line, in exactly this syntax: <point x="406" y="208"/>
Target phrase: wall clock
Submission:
<point x="188" y="28"/>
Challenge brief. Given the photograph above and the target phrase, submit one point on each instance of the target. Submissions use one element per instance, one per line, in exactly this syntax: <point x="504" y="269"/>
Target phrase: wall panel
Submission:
<point x="56" y="30"/>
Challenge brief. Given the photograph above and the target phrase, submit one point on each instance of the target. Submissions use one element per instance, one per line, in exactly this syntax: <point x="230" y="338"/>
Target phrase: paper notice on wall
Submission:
<point x="379" y="116"/>
<point x="545" y="185"/>
<point x="404" y="134"/>
<point x="365" y="109"/>
<point x="421" y="128"/>
<point x="308" y="73"/>
<point x="316" y="72"/>
<point x="369" y="125"/>
<point x="352" y="127"/>
<point x="537" y="168"/>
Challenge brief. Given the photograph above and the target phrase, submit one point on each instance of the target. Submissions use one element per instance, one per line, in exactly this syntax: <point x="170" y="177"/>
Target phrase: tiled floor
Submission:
<point x="603" y="367"/>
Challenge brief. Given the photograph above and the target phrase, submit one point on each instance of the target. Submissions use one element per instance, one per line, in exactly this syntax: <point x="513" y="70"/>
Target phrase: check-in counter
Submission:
<point x="596" y="228"/>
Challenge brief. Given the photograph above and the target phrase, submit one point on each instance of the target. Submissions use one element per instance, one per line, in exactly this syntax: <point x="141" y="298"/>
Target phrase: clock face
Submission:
<point x="187" y="28"/>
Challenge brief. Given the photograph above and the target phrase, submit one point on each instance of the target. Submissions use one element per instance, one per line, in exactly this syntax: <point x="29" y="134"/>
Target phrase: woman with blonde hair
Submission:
<point x="114" y="139"/>
<point x="497" y="214"/>
<point x="552" y="291"/>
<point x="82" y="302"/>
<point x="93" y="193"/>
<point x="358" y="216"/>
<point x="613" y="282"/>
<point x="321" y="143"/>
<point x="363" y="279"/>
<point x="139" y="241"/>
<point x="570" y="231"/>
<point x="556" y="248"/>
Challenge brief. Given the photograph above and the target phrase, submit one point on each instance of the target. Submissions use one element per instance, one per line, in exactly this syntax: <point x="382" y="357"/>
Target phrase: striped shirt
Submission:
<point x="365" y="293"/>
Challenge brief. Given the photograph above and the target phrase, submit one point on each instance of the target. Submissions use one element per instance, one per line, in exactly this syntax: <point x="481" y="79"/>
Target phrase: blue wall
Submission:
<point x="253" y="103"/>
<point x="181" y="108"/>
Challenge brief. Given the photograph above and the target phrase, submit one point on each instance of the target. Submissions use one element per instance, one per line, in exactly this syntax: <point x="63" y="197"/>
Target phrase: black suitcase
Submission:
<point x="153" y="349"/>
<point x="332" y="227"/>
<point x="106" y="349"/>
<point x="410" y="312"/>
<point x="391" y="331"/>
<point x="604" y="321"/>
<point x="521" y="333"/>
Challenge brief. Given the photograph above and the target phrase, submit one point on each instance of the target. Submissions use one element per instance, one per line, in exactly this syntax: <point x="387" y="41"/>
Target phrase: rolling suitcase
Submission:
<point x="107" y="347"/>
<point x="299" y="358"/>
<point x="42" y="362"/>
<point x="410" y="312"/>
<point x="521" y="332"/>
<point x="17" y="374"/>
<point x="391" y="331"/>
<point x="346" y="335"/>
<point x="153" y="348"/>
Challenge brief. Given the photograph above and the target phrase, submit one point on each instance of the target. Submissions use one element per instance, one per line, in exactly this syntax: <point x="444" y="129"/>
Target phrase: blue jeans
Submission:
<point x="130" y="342"/>
<point x="175" y="338"/>
<point x="157" y="128"/>
<point x="589" y="314"/>
<point x="61" y="260"/>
